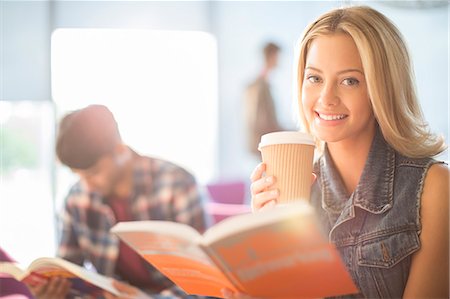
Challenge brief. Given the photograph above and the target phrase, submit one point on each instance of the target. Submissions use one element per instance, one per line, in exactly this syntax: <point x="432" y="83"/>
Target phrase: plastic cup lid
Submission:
<point x="286" y="137"/>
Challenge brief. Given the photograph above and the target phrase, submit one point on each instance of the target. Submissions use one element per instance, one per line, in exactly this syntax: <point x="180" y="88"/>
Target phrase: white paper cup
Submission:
<point x="289" y="157"/>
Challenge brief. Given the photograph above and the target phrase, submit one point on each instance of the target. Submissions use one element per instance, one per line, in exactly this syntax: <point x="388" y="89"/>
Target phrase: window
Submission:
<point x="160" y="85"/>
<point x="26" y="194"/>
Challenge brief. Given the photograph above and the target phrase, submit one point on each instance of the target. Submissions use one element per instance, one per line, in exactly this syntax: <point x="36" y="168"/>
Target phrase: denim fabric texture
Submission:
<point x="376" y="228"/>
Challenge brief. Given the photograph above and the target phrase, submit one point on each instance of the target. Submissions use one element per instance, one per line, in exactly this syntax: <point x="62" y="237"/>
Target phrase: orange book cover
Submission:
<point x="83" y="282"/>
<point x="278" y="253"/>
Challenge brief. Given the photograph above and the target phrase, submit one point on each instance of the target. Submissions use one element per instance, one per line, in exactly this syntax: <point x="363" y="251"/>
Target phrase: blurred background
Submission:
<point x="173" y="73"/>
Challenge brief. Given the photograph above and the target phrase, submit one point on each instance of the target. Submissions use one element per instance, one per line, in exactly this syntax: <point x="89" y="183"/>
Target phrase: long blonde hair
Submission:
<point x="389" y="77"/>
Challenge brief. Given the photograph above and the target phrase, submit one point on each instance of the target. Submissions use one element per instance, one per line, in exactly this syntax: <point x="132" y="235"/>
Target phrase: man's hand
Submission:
<point x="53" y="288"/>
<point x="126" y="292"/>
<point x="228" y="294"/>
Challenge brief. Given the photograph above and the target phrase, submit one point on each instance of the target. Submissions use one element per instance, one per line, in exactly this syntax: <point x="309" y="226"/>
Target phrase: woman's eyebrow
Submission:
<point x="351" y="70"/>
<point x="313" y="68"/>
<point x="340" y="72"/>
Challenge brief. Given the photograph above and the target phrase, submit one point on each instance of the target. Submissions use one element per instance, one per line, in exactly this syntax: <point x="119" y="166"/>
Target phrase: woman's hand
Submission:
<point x="264" y="195"/>
<point x="126" y="292"/>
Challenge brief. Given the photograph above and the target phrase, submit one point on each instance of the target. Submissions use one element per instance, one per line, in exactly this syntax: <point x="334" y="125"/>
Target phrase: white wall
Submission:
<point x="25" y="50"/>
<point x="164" y="15"/>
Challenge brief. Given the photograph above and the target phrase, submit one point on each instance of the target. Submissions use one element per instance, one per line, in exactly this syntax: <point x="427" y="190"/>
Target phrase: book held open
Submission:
<point x="277" y="253"/>
<point x="83" y="282"/>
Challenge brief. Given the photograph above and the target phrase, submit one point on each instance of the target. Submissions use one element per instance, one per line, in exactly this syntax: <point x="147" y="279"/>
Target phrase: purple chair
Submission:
<point x="227" y="198"/>
<point x="229" y="192"/>
<point x="9" y="287"/>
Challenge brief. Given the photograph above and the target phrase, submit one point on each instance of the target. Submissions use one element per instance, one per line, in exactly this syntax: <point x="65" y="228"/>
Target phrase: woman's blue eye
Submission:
<point x="351" y="81"/>
<point x="313" y="79"/>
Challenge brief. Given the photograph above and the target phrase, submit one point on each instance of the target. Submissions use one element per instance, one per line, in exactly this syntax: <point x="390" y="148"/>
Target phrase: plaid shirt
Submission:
<point x="162" y="191"/>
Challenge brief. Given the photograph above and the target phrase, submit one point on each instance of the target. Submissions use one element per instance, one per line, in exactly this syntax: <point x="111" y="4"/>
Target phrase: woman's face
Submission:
<point x="334" y="94"/>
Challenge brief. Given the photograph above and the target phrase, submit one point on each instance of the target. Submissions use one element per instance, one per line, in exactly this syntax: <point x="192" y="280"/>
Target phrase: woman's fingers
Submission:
<point x="264" y="198"/>
<point x="258" y="172"/>
<point x="262" y="184"/>
<point x="262" y="193"/>
<point x="261" y="188"/>
<point x="268" y="205"/>
<point x="313" y="178"/>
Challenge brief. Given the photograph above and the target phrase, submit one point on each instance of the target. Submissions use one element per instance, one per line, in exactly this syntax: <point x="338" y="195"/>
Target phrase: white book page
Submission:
<point x="174" y="229"/>
<point x="92" y="277"/>
<point x="162" y="237"/>
<point x="13" y="269"/>
<point x="245" y="222"/>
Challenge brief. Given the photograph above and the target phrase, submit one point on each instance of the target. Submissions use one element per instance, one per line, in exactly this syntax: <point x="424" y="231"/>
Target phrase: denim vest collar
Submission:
<point x="374" y="192"/>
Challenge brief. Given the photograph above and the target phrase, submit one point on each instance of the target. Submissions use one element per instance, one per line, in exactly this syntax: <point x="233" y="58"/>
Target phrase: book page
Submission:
<point x="288" y="254"/>
<point x="245" y="222"/>
<point x="161" y="237"/>
<point x="84" y="282"/>
<point x="13" y="269"/>
<point x="178" y="256"/>
<point x="16" y="271"/>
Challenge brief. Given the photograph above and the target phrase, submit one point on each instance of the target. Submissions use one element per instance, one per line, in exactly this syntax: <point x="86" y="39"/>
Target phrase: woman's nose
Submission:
<point x="329" y="96"/>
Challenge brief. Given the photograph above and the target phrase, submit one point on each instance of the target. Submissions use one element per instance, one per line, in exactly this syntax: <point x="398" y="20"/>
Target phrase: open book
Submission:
<point x="277" y="253"/>
<point x="83" y="282"/>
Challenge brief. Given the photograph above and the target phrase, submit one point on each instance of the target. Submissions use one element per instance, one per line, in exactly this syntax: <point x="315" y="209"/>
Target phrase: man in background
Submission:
<point x="260" y="112"/>
<point x="116" y="184"/>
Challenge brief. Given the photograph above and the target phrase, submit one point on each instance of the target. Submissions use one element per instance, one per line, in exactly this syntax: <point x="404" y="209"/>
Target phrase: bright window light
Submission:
<point x="160" y="85"/>
<point x="26" y="194"/>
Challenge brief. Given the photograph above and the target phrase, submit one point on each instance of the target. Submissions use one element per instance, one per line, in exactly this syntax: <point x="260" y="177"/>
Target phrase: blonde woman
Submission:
<point x="379" y="192"/>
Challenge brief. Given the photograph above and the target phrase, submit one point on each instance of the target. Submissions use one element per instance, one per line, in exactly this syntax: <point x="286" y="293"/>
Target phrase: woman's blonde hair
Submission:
<point x="389" y="76"/>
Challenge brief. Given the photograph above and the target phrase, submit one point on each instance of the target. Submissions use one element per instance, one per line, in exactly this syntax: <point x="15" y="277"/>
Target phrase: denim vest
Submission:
<point x="377" y="229"/>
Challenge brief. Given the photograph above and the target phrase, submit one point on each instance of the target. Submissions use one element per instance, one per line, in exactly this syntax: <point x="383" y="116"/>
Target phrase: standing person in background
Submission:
<point x="260" y="112"/>
<point x="116" y="184"/>
<point x="379" y="193"/>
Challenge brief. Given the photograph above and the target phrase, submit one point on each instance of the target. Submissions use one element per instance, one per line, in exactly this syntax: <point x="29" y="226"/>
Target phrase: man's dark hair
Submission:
<point x="269" y="49"/>
<point x="86" y="135"/>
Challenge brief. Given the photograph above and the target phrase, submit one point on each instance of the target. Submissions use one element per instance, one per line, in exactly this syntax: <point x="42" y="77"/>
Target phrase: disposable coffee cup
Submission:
<point x="289" y="157"/>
